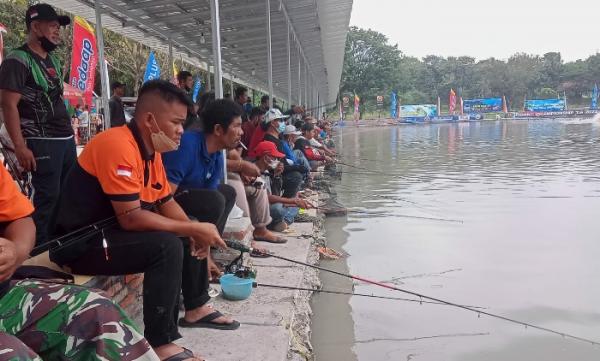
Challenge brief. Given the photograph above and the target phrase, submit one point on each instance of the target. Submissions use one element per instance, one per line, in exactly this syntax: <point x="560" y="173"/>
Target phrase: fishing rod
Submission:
<point x="389" y="214"/>
<point x="371" y="170"/>
<point x="242" y="248"/>
<point x="93" y="228"/>
<point x="346" y="293"/>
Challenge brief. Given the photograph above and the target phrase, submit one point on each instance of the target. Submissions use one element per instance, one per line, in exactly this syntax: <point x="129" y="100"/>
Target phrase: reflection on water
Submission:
<point x="528" y="195"/>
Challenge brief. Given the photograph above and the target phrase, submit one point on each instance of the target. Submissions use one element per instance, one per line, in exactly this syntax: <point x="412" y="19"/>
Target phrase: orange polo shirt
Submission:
<point x="13" y="204"/>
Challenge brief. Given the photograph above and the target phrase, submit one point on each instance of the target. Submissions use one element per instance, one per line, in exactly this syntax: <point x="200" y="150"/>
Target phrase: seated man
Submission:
<point x="283" y="210"/>
<point x="295" y="156"/>
<point x="50" y="321"/>
<point x="119" y="193"/>
<point x="303" y="144"/>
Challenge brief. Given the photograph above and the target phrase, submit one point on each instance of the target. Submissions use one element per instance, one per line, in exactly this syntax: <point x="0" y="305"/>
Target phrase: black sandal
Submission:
<point x="182" y="356"/>
<point x="206" y="322"/>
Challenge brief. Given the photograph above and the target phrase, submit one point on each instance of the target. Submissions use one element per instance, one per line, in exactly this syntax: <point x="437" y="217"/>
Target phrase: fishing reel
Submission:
<point x="237" y="267"/>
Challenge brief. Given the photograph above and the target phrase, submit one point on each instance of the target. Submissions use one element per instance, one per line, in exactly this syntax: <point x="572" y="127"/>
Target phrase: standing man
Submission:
<point x="36" y="117"/>
<point x="115" y="104"/>
<point x="241" y="97"/>
<point x="185" y="82"/>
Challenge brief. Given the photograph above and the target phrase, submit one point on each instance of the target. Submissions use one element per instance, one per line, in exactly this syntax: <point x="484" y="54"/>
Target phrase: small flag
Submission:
<point x="197" y="88"/>
<point x="451" y="101"/>
<point x="124" y="170"/>
<point x="152" y="68"/>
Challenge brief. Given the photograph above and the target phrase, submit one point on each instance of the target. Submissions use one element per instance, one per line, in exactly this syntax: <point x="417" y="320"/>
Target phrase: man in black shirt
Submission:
<point x="115" y="104"/>
<point x="35" y="115"/>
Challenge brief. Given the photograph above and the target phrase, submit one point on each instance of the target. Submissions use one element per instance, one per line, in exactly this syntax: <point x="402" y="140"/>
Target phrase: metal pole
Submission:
<point x="209" y="85"/>
<point x="269" y="55"/>
<point x="231" y="86"/>
<point x="299" y="79"/>
<point x="103" y="68"/>
<point x="289" y="54"/>
<point x="306" y="85"/>
<point x="216" y="43"/>
<point x="171" y="73"/>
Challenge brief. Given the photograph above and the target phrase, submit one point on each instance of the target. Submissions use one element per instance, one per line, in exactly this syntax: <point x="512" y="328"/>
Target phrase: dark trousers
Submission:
<point x="159" y="255"/>
<point x="54" y="159"/>
<point x="292" y="181"/>
<point x="205" y="205"/>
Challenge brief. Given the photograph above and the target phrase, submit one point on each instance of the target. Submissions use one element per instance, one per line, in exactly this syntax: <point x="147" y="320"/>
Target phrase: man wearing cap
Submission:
<point x="115" y="104"/>
<point x="283" y="210"/>
<point x="35" y="115"/>
<point x="303" y="144"/>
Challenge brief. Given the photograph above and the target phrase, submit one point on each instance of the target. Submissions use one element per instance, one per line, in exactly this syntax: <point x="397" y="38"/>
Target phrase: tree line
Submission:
<point x="373" y="66"/>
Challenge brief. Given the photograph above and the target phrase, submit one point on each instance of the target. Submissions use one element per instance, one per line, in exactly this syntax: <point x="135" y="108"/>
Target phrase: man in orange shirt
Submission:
<point x="120" y="173"/>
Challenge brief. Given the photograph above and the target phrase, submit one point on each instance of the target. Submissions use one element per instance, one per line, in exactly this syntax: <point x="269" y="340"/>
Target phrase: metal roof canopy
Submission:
<point x="317" y="35"/>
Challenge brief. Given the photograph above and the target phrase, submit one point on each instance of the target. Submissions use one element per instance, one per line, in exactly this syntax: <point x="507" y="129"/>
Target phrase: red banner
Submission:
<point x="83" y="59"/>
<point x="452" y="101"/>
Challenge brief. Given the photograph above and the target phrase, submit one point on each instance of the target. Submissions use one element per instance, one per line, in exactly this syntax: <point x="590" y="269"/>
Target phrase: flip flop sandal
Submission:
<point x="182" y="356"/>
<point x="277" y="240"/>
<point x="206" y="322"/>
<point x="259" y="254"/>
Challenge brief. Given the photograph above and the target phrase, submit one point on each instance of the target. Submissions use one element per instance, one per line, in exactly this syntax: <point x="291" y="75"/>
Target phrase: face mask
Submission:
<point x="161" y="142"/>
<point x="47" y="45"/>
<point x="281" y="127"/>
<point x="273" y="164"/>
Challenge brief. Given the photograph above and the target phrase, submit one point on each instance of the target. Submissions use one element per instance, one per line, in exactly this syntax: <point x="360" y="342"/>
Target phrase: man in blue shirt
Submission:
<point x="197" y="166"/>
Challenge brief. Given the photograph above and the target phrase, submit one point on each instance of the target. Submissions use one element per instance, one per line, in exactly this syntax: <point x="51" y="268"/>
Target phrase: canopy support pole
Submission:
<point x="269" y="55"/>
<point x="103" y="68"/>
<point x="299" y="79"/>
<point x="171" y="70"/>
<point x="216" y="44"/>
<point x="289" y="69"/>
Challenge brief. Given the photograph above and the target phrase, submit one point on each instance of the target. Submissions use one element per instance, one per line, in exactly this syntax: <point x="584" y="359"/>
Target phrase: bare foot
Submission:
<point x="202" y="311"/>
<point x="165" y="351"/>
<point x="264" y="233"/>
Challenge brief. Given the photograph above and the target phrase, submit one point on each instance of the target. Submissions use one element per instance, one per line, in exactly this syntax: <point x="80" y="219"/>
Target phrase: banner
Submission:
<point x="594" y="104"/>
<point x="420" y="110"/>
<point x="504" y="104"/>
<point x="84" y="58"/>
<point x="393" y="106"/>
<point x="483" y="105"/>
<point x="152" y="68"/>
<point x="2" y="30"/>
<point x="451" y="101"/>
<point x="545" y="105"/>
<point x="439" y="107"/>
<point x="356" y="103"/>
<point x="379" y="101"/>
<point x="196" y="89"/>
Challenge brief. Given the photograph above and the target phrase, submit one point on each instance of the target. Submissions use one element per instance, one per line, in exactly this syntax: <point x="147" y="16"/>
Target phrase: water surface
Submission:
<point x="528" y="194"/>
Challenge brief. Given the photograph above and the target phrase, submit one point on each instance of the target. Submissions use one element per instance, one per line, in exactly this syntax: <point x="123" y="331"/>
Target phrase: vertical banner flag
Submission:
<point x="462" y="106"/>
<point x="439" y="107"/>
<point x="451" y="101"/>
<point x="196" y="89"/>
<point x="356" y="104"/>
<point x="504" y="105"/>
<point x="84" y="58"/>
<point x="393" y="106"/>
<point x="152" y="68"/>
<point x="341" y="112"/>
<point x="2" y="30"/>
<point x="175" y="72"/>
<point x="594" y="105"/>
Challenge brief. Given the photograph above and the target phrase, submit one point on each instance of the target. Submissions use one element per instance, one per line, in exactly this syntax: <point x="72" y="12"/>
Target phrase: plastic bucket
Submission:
<point x="235" y="288"/>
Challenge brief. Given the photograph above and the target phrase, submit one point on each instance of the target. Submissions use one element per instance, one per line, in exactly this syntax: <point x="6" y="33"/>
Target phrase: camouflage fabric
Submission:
<point x="67" y="322"/>
<point x="12" y="349"/>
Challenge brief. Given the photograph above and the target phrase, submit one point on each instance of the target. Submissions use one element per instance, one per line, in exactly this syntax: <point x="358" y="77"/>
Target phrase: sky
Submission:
<point x="484" y="28"/>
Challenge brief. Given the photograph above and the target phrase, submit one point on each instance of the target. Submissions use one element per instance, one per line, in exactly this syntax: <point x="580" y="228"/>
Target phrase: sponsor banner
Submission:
<point x="84" y="58"/>
<point x="418" y="111"/>
<point x="346" y="102"/>
<point x="483" y="105"/>
<point x="393" y="106"/>
<point x="380" y="100"/>
<point x="545" y="105"/>
<point x="564" y="113"/>
<point x="152" y="68"/>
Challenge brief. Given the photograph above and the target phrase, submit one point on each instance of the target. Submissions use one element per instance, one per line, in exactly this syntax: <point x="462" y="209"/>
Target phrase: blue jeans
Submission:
<point x="280" y="213"/>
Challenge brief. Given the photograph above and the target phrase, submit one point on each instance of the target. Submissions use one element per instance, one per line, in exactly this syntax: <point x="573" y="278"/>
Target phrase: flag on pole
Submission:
<point x="356" y="104"/>
<point x="152" y="68"/>
<point x="462" y="106"/>
<point x="84" y="58"/>
<point x="2" y="30"/>
<point x="196" y="89"/>
<point x="439" y="107"/>
<point x="451" y="101"/>
<point x="393" y="108"/>
<point x="504" y="105"/>
<point x="341" y="111"/>
<point x="175" y="72"/>
<point x="594" y="105"/>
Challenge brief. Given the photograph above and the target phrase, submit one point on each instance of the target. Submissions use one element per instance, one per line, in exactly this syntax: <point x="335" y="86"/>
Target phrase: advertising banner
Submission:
<point x="545" y="105"/>
<point x="84" y="58"/>
<point x="380" y="100"/>
<point x="594" y="104"/>
<point x="346" y="102"/>
<point x="393" y="105"/>
<point x="484" y="105"/>
<point x="420" y="110"/>
<point x="152" y="68"/>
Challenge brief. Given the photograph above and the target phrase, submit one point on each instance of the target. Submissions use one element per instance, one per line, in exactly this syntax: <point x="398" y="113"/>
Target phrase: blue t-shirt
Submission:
<point x="191" y="166"/>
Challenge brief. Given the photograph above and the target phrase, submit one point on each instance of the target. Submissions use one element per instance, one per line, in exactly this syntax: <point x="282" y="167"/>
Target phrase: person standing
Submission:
<point x="35" y="114"/>
<point x="115" y="104"/>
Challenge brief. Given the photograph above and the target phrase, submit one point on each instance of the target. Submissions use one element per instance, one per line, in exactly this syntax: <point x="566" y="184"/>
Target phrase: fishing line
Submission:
<point x="240" y="247"/>
<point x="388" y="214"/>
<point x="335" y="292"/>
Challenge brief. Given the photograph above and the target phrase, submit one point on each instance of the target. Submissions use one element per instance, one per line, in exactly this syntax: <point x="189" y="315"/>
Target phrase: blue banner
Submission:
<point x="545" y="105"/>
<point x="393" y="106"/>
<point x="197" y="88"/>
<point x="152" y="68"/>
<point x="416" y="111"/>
<point x="483" y="105"/>
<point x="594" y="105"/>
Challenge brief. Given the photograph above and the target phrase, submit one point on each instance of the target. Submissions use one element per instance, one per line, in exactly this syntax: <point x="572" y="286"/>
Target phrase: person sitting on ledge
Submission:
<point x="41" y="320"/>
<point x="120" y="174"/>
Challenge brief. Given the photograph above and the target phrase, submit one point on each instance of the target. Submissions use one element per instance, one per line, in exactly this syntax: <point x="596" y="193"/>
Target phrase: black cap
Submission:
<point x="116" y="84"/>
<point x="44" y="12"/>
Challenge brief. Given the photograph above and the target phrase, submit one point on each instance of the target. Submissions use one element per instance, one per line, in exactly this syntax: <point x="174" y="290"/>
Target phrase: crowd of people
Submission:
<point x="145" y="196"/>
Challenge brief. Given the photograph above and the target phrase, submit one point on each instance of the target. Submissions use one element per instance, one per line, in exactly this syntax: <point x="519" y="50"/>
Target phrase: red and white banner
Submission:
<point x="2" y="30"/>
<point x="452" y="101"/>
<point x="83" y="58"/>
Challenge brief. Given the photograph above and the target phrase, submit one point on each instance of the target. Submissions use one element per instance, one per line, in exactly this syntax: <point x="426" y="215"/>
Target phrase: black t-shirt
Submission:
<point x="277" y="141"/>
<point x="117" y="112"/>
<point x="43" y="113"/>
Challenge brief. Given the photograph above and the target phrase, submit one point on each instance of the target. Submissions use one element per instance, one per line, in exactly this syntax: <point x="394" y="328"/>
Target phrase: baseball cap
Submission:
<point x="267" y="148"/>
<point x="273" y="114"/>
<point x="290" y="129"/>
<point x="44" y="12"/>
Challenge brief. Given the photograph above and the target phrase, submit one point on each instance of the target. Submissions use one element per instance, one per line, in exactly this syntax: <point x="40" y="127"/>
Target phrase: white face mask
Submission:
<point x="161" y="142"/>
<point x="273" y="164"/>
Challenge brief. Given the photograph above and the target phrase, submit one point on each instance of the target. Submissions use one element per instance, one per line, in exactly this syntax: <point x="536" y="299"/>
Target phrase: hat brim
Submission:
<point x="293" y="133"/>
<point x="276" y="154"/>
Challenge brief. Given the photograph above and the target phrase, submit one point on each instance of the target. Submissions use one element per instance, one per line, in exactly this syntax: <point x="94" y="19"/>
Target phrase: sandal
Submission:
<point x="182" y="356"/>
<point x="206" y="322"/>
<point x="259" y="253"/>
